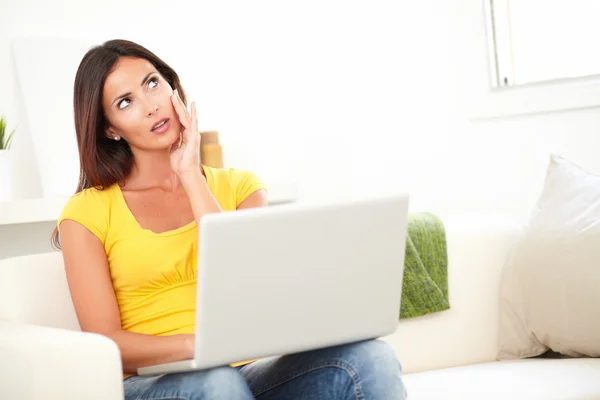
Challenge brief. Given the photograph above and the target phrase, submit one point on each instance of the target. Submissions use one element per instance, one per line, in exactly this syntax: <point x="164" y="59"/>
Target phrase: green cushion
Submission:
<point x="425" y="282"/>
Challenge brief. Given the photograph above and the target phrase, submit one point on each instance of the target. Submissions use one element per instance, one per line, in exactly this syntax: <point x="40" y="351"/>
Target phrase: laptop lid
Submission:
<point x="295" y="277"/>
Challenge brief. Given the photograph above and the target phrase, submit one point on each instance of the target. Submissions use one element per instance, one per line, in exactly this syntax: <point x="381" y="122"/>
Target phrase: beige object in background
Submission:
<point x="211" y="152"/>
<point x="550" y="288"/>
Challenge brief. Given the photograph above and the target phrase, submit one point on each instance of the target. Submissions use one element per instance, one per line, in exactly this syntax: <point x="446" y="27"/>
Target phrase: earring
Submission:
<point x="117" y="138"/>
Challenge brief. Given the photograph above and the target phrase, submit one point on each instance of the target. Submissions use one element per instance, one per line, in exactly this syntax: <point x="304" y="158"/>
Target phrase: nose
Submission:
<point x="152" y="110"/>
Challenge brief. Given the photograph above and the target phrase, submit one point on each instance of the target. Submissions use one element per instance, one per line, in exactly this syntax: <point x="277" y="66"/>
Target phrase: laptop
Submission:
<point x="295" y="277"/>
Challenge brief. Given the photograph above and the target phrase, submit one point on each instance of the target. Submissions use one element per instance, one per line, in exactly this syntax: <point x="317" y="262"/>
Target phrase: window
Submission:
<point x="543" y="40"/>
<point x="542" y="56"/>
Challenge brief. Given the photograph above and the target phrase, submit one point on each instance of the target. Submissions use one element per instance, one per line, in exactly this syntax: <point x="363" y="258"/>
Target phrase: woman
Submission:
<point x="129" y="241"/>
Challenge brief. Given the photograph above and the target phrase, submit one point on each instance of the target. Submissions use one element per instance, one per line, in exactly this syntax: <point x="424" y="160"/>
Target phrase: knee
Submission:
<point x="373" y="356"/>
<point x="377" y="368"/>
<point x="218" y="383"/>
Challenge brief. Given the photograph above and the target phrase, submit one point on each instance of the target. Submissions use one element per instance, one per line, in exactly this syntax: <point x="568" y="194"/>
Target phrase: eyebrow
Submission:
<point x="129" y="93"/>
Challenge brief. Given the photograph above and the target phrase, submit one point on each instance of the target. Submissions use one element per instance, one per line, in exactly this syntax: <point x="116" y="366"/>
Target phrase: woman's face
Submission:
<point x="136" y="101"/>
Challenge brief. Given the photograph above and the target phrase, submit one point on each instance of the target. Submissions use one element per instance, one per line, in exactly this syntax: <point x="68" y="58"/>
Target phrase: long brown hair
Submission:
<point x="104" y="162"/>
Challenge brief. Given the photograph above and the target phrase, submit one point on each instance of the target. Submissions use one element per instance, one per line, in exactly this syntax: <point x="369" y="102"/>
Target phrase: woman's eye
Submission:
<point x="153" y="83"/>
<point x="123" y="103"/>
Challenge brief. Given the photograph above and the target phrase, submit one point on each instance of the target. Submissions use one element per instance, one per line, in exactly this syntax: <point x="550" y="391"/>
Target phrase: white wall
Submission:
<point x="370" y="95"/>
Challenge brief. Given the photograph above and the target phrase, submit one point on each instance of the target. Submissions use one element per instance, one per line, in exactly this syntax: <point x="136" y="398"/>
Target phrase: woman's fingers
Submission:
<point x="194" y="122"/>
<point x="189" y="120"/>
<point x="180" y="110"/>
<point x="182" y="104"/>
<point x="181" y="116"/>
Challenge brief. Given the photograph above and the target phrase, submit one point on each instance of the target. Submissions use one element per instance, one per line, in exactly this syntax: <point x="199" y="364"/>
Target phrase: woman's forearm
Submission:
<point x="201" y="199"/>
<point x="139" y="350"/>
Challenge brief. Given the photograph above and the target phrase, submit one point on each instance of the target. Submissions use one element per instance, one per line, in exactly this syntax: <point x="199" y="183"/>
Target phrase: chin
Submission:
<point x="167" y="139"/>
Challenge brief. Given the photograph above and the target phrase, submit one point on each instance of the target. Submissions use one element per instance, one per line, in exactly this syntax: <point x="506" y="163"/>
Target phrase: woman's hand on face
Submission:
<point x="185" y="154"/>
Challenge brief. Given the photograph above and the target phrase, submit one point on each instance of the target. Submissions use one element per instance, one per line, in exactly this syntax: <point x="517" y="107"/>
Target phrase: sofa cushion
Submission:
<point x="528" y="379"/>
<point x="549" y="290"/>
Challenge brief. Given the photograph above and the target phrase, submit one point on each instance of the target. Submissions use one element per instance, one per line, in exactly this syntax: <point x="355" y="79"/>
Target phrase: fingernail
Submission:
<point x="176" y="92"/>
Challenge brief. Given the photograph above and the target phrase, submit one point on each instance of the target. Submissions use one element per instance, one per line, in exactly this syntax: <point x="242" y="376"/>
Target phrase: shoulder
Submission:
<point x="242" y="177"/>
<point x="241" y="182"/>
<point x="232" y="176"/>
<point x="91" y="208"/>
<point x="89" y="199"/>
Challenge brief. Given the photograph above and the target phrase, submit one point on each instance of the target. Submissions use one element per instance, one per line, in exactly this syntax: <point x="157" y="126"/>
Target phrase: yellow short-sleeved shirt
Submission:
<point x="153" y="274"/>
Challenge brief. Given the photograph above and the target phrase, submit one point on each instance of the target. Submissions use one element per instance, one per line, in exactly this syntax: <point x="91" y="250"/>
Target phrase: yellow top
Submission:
<point x="153" y="274"/>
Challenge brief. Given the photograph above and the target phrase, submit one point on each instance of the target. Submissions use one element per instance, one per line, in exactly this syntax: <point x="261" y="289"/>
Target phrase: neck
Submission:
<point x="152" y="169"/>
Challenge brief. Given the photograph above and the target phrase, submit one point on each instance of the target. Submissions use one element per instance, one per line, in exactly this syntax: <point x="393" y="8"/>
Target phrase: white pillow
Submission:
<point x="550" y="290"/>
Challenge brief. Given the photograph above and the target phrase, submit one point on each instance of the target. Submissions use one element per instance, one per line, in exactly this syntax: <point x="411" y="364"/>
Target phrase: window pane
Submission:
<point x="554" y="39"/>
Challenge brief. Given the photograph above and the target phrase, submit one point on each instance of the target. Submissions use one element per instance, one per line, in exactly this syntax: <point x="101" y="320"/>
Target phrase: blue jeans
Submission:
<point x="364" y="370"/>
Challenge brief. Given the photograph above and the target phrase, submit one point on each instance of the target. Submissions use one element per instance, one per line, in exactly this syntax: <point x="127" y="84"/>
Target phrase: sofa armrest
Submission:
<point x="48" y="363"/>
<point x="478" y="247"/>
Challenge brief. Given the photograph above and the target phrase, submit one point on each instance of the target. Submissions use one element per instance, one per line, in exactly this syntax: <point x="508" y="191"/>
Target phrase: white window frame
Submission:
<point x="491" y="98"/>
<point x="499" y="42"/>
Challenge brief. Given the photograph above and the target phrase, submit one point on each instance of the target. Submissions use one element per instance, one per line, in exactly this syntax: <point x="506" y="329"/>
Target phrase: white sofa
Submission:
<point x="448" y="355"/>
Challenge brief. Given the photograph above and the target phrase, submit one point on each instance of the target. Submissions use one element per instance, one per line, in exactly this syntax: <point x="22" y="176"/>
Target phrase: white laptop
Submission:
<point x="289" y="278"/>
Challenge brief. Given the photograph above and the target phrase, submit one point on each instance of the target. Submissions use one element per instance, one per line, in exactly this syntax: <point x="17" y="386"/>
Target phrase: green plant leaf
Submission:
<point x="7" y="144"/>
<point x="4" y="140"/>
<point x="2" y="131"/>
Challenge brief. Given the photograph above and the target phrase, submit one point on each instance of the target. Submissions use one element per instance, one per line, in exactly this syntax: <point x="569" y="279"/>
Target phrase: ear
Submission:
<point x="110" y="133"/>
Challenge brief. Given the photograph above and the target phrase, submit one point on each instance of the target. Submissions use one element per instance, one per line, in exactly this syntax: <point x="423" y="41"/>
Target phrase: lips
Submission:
<point x="161" y="126"/>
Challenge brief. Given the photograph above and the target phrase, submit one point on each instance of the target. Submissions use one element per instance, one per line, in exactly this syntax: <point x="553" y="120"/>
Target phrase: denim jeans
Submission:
<point x="363" y="370"/>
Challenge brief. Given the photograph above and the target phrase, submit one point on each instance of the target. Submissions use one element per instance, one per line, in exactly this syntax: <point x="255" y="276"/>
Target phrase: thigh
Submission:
<point x="363" y="370"/>
<point x="219" y="383"/>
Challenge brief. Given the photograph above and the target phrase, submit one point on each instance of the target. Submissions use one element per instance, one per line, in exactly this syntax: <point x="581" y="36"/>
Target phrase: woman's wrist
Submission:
<point x="192" y="179"/>
<point x="201" y="198"/>
<point x="187" y="342"/>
